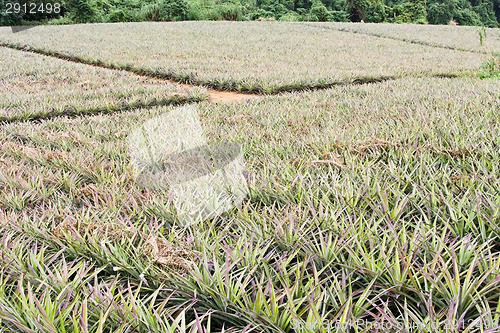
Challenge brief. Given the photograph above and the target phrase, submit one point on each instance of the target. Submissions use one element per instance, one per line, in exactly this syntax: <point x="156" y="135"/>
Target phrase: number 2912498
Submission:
<point x="32" y="8"/>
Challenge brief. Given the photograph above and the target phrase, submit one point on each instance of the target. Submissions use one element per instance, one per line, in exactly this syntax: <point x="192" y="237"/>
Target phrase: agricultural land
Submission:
<point x="372" y="160"/>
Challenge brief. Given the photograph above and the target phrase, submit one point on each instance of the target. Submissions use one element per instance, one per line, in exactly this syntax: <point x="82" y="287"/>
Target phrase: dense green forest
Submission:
<point x="460" y="12"/>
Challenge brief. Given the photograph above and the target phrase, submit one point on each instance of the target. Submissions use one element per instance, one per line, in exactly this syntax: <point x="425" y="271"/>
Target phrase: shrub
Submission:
<point x="290" y="17"/>
<point x="174" y="10"/>
<point x="490" y="69"/>
<point x="151" y="12"/>
<point x="226" y="11"/>
<point x="288" y="4"/>
<point x="80" y="11"/>
<point x="303" y="4"/>
<point x="195" y="13"/>
<point x="164" y="10"/>
<point x="338" y="16"/>
<point x="60" y="21"/>
<point x="260" y="14"/>
<point x="375" y="12"/>
<point x="486" y="14"/>
<point x="410" y="12"/>
<point x="439" y="13"/>
<point x="277" y="8"/>
<point x="356" y="9"/>
<point x="467" y="17"/>
<point x="117" y="15"/>
<point x="319" y="10"/>
<point x="311" y="17"/>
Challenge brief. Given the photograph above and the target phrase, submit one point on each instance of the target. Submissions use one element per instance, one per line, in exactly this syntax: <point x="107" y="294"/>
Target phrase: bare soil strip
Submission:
<point x="228" y="96"/>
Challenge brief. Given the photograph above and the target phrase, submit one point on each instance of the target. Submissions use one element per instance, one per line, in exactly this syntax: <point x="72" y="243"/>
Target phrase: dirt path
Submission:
<point x="228" y="96"/>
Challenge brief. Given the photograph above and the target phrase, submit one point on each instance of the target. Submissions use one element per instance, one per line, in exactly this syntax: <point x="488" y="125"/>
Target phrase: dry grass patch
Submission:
<point x="162" y="252"/>
<point x="372" y="143"/>
<point x="81" y="230"/>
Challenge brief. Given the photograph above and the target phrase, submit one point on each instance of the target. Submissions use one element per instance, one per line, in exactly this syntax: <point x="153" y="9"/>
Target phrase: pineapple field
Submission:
<point x="371" y="170"/>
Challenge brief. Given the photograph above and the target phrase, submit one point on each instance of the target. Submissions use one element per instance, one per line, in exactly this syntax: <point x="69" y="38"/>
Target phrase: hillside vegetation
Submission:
<point x="462" y="12"/>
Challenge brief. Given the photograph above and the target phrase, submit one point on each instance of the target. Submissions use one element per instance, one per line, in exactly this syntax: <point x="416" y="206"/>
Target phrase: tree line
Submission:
<point x="459" y="12"/>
